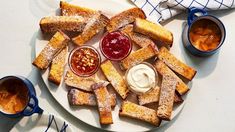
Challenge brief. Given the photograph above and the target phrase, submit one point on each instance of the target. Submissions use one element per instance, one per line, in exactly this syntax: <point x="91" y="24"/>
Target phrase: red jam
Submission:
<point x="115" y="46"/>
<point x="84" y="61"/>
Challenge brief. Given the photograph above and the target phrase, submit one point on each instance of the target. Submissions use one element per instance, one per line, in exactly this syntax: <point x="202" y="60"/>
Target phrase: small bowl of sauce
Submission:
<point x="115" y="46"/>
<point x="84" y="61"/>
<point x="203" y="35"/>
<point x="18" y="97"/>
<point x="141" y="78"/>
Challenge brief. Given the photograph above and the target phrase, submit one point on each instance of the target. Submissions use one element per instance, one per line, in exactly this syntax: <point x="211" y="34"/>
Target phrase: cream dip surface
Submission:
<point x="141" y="78"/>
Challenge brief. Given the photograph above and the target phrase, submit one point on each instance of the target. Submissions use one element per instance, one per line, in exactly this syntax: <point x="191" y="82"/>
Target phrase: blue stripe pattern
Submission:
<point x="51" y="120"/>
<point x="165" y="9"/>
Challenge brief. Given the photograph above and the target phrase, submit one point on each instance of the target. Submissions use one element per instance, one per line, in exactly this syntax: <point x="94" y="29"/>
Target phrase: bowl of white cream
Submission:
<point x="141" y="78"/>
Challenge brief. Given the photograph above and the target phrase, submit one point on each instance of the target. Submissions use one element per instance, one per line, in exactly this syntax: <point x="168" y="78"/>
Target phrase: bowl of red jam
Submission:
<point x="84" y="61"/>
<point x="115" y="46"/>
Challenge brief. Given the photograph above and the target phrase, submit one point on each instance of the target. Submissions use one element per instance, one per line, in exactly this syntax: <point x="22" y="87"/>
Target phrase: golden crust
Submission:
<point x="138" y="57"/>
<point x="128" y="29"/>
<point x="115" y="78"/>
<point x="142" y="113"/>
<point x="78" y="97"/>
<point x="64" y="23"/>
<point x="175" y="64"/>
<point x="104" y="106"/>
<point x="57" y="67"/>
<point x="166" y="99"/>
<point x="75" y="10"/>
<point x="124" y="18"/>
<point x="152" y="96"/>
<point x="55" y="45"/>
<point x="95" y="24"/>
<point x="149" y="97"/>
<point x="161" y="67"/>
<point x="155" y="31"/>
<point x="83" y="83"/>
<point x="137" y="38"/>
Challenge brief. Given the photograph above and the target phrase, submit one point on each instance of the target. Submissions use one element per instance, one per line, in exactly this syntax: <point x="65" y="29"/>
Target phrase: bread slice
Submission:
<point x="137" y="38"/>
<point x="57" y="67"/>
<point x="176" y="65"/>
<point x="94" y="25"/>
<point x="124" y="18"/>
<point x="162" y="69"/>
<point x="78" y="97"/>
<point x="152" y="96"/>
<point x="64" y="23"/>
<point x="138" y="57"/>
<point x="83" y="83"/>
<point x="142" y="113"/>
<point x="166" y="100"/>
<point x="155" y="31"/>
<point x="55" y="45"/>
<point x="115" y="78"/>
<point x="177" y="99"/>
<point x="149" y="97"/>
<point x="75" y="10"/>
<point x="127" y="30"/>
<point x="103" y="101"/>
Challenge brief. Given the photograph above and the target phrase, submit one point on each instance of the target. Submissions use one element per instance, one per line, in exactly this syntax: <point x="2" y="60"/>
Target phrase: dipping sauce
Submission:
<point x="13" y="96"/>
<point x="205" y="35"/>
<point x="84" y="60"/>
<point x="141" y="78"/>
<point x="115" y="46"/>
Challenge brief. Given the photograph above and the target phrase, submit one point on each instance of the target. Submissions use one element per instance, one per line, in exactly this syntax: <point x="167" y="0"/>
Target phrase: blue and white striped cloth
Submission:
<point x="160" y="10"/>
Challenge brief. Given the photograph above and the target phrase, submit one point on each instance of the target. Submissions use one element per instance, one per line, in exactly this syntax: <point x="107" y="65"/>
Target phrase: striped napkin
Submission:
<point x="160" y="10"/>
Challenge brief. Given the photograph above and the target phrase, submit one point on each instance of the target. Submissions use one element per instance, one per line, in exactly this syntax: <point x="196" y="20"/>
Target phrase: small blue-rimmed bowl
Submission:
<point x="192" y="18"/>
<point x="32" y="101"/>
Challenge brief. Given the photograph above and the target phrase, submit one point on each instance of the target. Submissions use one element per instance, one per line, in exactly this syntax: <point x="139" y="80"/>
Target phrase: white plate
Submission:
<point x="87" y="114"/>
<point x="41" y="123"/>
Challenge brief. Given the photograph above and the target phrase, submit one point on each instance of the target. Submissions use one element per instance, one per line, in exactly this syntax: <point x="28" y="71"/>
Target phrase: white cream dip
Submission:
<point x="141" y="78"/>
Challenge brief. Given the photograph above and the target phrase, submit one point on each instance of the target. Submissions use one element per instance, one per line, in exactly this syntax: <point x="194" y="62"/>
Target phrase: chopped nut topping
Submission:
<point x="84" y="61"/>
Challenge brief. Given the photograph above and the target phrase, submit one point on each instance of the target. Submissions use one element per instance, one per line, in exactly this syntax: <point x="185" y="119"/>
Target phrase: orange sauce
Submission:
<point x="84" y="61"/>
<point x="13" y="96"/>
<point x="205" y="35"/>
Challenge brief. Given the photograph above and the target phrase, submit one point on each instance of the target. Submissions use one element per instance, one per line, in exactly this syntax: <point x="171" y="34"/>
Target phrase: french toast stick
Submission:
<point x="103" y="102"/>
<point x="138" y="57"/>
<point x="115" y="78"/>
<point x="162" y="69"/>
<point x="166" y="99"/>
<point x="152" y="96"/>
<point x="54" y="46"/>
<point x="83" y="83"/>
<point x="52" y="24"/>
<point x="175" y="64"/>
<point x="94" y="25"/>
<point x="155" y="31"/>
<point x="142" y="113"/>
<point x="149" y="97"/>
<point x="57" y="67"/>
<point x="68" y="9"/>
<point x="124" y="18"/>
<point x="78" y="97"/>
<point x="137" y="38"/>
